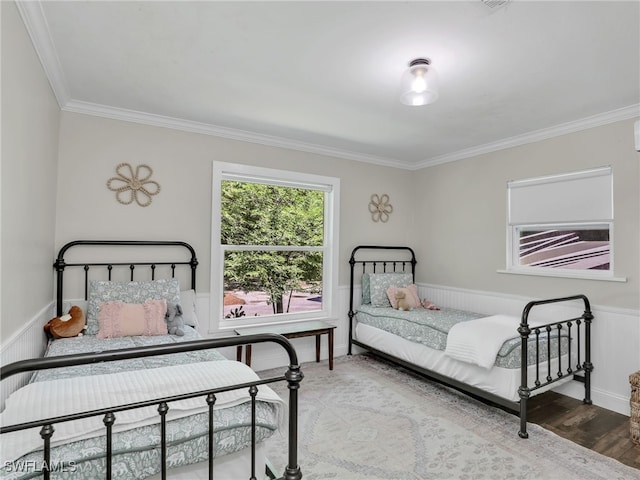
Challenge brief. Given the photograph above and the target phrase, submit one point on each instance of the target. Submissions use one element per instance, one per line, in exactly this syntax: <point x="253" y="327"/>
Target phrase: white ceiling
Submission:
<point x="324" y="76"/>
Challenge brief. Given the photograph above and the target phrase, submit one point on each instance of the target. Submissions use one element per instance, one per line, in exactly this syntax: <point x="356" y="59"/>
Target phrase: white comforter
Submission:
<point x="479" y="341"/>
<point x="49" y="399"/>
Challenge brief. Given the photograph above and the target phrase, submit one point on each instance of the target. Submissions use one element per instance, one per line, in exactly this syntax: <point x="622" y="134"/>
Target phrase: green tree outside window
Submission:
<point x="289" y="222"/>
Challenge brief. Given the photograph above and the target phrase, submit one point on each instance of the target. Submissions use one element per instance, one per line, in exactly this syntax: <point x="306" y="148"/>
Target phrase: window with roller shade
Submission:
<point x="562" y="224"/>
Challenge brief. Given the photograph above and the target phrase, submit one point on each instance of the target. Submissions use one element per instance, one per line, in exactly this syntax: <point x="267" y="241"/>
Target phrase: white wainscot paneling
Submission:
<point x="614" y="342"/>
<point x="615" y="355"/>
<point x="615" y="338"/>
<point x="29" y="342"/>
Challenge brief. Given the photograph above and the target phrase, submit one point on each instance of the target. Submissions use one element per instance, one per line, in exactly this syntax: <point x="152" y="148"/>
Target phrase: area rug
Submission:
<point x="368" y="419"/>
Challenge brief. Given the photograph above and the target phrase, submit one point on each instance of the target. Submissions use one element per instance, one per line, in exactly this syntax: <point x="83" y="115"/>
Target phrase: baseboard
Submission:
<point x="599" y="397"/>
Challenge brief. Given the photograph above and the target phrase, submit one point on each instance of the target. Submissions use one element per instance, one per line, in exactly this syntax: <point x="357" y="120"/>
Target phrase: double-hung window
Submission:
<point x="562" y="225"/>
<point x="274" y="245"/>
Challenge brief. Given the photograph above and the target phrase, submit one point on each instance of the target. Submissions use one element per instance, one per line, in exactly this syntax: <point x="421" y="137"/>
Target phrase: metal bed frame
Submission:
<point x="293" y="376"/>
<point x="582" y="324"/>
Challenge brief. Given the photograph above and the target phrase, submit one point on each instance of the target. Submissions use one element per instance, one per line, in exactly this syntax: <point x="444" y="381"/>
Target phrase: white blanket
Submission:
<point x="49" y="399"/>
<point x="479" y="341"/>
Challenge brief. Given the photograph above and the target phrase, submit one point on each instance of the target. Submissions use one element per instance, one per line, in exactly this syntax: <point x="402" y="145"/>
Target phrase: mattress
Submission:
<point x="500" y="381"/>
<point x="431" y="327"/>
<point x="135" y="450"/>
<point x="90" y="343"/>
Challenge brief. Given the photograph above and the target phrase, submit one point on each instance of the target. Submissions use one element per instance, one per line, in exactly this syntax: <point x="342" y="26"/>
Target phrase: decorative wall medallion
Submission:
<point x="380" y="208"/>
<point x="137" y="185"/>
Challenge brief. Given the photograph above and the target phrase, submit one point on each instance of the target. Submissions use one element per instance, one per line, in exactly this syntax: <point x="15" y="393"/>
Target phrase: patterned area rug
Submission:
<point x="368" y="419"/>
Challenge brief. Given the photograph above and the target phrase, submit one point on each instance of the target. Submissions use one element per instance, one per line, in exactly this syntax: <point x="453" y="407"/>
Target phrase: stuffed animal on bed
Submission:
<point x="70" y="325"/>
<point x="175" y="322"/>
<point x="402" y="301"/>
<point x="428" y="305"/>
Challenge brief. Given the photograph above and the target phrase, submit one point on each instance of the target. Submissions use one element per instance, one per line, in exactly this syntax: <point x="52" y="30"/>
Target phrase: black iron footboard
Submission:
<point x="292" y="376"/>
<point x="581" y="323"/>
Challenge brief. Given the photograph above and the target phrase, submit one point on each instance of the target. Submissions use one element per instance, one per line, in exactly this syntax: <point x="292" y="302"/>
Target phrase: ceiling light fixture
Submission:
<point x="419" y="83"/>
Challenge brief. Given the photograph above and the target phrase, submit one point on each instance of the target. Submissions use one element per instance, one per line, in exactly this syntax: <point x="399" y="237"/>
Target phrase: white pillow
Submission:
<point x="67" y="304"/>
<point x="188" y="304"/>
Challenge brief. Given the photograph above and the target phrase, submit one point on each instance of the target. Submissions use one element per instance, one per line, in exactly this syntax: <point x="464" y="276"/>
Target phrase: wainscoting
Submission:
<point x="614" y="344"/>
<point x="615" y="352"/>
<point x="616" y="336"/>
<point x="30" y="342"/>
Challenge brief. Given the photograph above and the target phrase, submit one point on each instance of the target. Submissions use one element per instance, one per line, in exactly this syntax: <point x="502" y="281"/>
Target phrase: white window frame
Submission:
<point x="247" y="173"/>
<point x="591" y="189"/>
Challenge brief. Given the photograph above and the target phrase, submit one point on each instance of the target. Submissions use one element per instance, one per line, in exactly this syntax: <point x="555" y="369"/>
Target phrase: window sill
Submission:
<point x="562" y="274"/>
<point x="251" y="322"/>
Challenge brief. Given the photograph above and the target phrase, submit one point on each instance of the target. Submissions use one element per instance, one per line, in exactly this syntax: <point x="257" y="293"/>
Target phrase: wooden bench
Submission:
<point x="291" y="330"/>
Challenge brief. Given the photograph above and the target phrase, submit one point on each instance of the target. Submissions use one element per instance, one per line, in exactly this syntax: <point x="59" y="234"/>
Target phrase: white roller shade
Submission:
<point x="585" y="196"/>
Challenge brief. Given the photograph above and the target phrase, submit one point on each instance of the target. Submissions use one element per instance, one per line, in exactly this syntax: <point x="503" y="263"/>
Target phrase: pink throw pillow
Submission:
<point x="411" y="295"/>
<point x="119" y="319"/>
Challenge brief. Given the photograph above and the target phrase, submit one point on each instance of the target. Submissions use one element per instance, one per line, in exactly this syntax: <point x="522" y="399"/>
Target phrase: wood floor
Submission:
<point x="593" y="427"/>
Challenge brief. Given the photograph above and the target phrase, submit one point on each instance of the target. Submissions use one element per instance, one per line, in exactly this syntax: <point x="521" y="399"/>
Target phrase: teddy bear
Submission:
<point x="402" y="302"/>
<point x="175" y="322"/>
<point x="70" y="325"/>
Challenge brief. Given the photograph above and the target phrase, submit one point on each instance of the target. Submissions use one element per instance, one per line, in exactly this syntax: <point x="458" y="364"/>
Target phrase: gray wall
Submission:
<point x="437" y="210"/>
<point x="461" y="233"/>
<point x="454" y="214"/>
<point x="91" y="147"/>
<point x="30" y="116"/>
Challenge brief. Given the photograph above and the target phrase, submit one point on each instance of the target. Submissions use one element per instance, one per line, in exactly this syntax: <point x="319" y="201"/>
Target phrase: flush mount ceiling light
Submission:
<point x="419" y="83"/>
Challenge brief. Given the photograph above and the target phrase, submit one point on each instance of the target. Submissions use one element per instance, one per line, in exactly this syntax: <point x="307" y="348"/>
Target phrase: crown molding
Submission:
<point x="625" y="113"/>
<point x="38" y="29"/>
<point x="134" y="116"/>
<point x="36" y="24"/>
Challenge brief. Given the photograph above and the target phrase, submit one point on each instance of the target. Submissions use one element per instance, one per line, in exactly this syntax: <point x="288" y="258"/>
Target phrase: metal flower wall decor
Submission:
<point x="136" y="184"/>
<point x="380" y="208"/>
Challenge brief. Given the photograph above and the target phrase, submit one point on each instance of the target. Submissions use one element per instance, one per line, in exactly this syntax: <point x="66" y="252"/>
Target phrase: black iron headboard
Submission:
<point x="405" y="257"/>
<point x="60" y="264"/>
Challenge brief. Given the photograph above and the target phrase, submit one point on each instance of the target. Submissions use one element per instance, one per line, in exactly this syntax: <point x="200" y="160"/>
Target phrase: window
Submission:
<point x="562" y="225"/>
<point x="577" y="248"/>
<point x="274" y="246"/>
